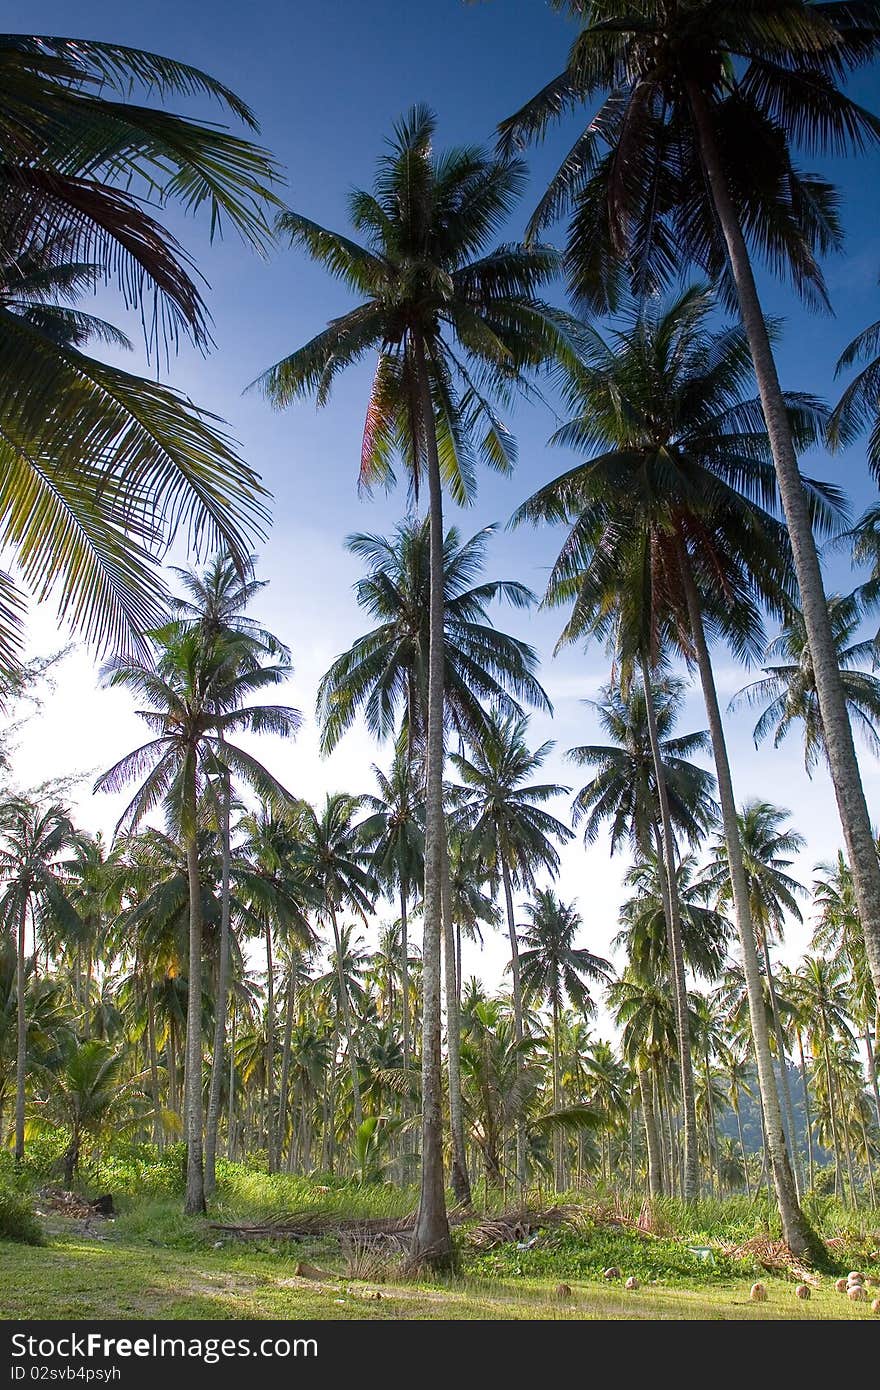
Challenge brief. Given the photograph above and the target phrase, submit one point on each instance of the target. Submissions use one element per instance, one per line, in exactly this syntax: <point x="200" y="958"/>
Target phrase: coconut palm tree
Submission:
<point x="502" y="814"/>
<point x="338" y="866"/>
<point x="643" y="934"/>
<point x="823" y="998"/>
<point x="767" y="850"/>
<point x="117" y="462"/>
<point x="553" y="970"/>
<point x="644" y="1013"/>
<point x="384" y="674"/>
<point x="788" y="686"/>
<point x="623" y="790"/>
<point x="214" y="604"/>
<point x="454" y="322"/>
<point x="90" y="1095"/>
<point x="671" y="539"/>
<point x="196" y="696"/>
<point x="33" y="838"/>
<point x="690" y="160"/>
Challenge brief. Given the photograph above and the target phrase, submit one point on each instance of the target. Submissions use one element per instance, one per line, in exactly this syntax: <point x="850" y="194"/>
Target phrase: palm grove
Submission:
<point x="203" y="979"/>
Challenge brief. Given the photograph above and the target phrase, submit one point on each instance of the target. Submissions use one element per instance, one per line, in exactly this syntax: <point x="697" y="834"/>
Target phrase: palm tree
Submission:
<point x="689" y="160"/>
<point x="837" y="929"/>
<point x="215" y="605"/>
<point x="736" y="1069"/>
<point x="453" y="322"/>
<point x="642" y="1010"/>
<point x="394" y="831"/>
<point x="131" y="460"/>
<point x="822" y="995"/>
<point x="643" y="930"/>
<point x="196" y="697"/>
<point x="90" y="1095"/>
<point x="767" y="849"/>
<point x="502" y="813"/>
<point x="337" y="863"/>
<point x="623" y="790"/>
<point x="670" y="540"/>
<point x="651" y="792"/>
<point x="32" y="840"/>
<point x="384" y="674"/>
<point x="553" y="969"/>
<point x="788" y="686"/>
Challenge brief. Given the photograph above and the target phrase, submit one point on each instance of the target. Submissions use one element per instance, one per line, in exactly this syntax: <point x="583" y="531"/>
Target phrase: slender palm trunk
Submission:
<point x="783" y="1067"/>
<point x="286" y="1046"/>
<point x="154" y="1065"/>
<point x="194" y="1201"/>
<point x="872" y="1070"/>
<point x="230" y="1099"/>
<point x="795" y="1228"/>
<point x="404" y="971"/>
<point x="808" y="1121"/>
<point x="839" y="1189"/>
<point x="557" y="1137"/>
<point x="221" y="1002"/>
<point x="270" y="1049"/>
<point x="669" y="887"/>
<point x="346" y="1023"/>
<point x="845" y="775"/>
<point x="521" y="1174"/>
<point x="652" y="1140"/>
<point x="458" y="1177"/>
<point x="21" y="1031"/>
<point x="742" y="1147"/>
<point x="432" y="1243"/>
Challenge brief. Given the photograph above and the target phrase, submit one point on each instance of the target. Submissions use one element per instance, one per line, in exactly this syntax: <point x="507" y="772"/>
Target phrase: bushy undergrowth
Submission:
<point x="17" y="1219"/>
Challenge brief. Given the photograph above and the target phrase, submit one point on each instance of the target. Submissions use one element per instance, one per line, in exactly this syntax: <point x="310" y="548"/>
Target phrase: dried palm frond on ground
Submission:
<point x="773" y="1255"/>
<point x="519" y="1226"/>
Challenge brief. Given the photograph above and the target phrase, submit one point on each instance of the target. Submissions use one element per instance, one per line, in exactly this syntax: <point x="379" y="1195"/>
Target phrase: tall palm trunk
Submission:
<point x="795" y="1228"/>
<point x="872" y="1070"/>
<point x="270" y="1050"/>
<point x="21" y="1031"/>
<point x="154" y="1065"/>
<point x="404" y="969"/>
<point x="286" y="1046"/>
<point x="458" y="1177"/>
<point x="742" y="1147"/>
<point x="557" y="1137"/>
<point x="230" y="1099"/>
<point x="845" y="775"/>
<point x="671" y="906"/>
<point x="346" y="1023"/>
<point x="521" y="1175"/>
<point x="431" y="1239"/>
<point x="221" y="1002"/>
<point x="652" y="1139"/>
<point x="783" y="1065"/>
<point x="808" y="1121"/>
<point x="194" y="1201"/>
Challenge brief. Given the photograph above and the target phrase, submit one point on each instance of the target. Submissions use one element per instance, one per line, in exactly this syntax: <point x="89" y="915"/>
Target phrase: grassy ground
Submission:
<point x="79" y="1277"/>
<point x="151" y="1262"/>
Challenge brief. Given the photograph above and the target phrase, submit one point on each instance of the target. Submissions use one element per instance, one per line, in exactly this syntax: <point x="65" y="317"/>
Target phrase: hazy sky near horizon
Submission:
<point x="327" y="82"/>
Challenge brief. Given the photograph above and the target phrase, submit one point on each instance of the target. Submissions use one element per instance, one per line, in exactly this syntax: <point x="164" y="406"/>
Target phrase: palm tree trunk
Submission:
<point x="669" y="888"/>
<point x="286" y="1045"/>
<point x="432" y="1243"/>
<point x="805" y="1082"/>
<point x="872" y="1071"/>
<point x="194" y="1201"/>
<point x="270" y="1050"/>
<point x="346" y="1023"/>
<point x="21" y="1032"/>
<point x="839" y="1188"/>
<point x="404" y="971"/>
<point x="783" y="1068"/>
<point x="845" y="775"/>
<point x="230" y="1099"/>
<point x="742" y="1147"/>
<point x="795" y="1228"/>
<point x="521" y="1175"/>
<point x="557" y="1137"/>
<point x="652" y="1141"/>
<point x="154" y="1066"/>
<point x="221" y="1002"/>
<point x="459" y="1178"/>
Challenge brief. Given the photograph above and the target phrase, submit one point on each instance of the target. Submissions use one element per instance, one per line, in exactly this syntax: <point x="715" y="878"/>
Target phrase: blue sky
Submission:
<point x="327" y="82"/>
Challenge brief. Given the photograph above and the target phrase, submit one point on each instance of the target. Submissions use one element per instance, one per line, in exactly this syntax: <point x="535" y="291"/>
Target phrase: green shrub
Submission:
<point x="17" y="1219"/>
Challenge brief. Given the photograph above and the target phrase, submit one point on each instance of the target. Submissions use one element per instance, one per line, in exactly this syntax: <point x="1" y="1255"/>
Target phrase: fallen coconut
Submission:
<point x="611" y="1273"/>
<point x="563" y="1290"/>
<point x="855" y="1277"/>
<point x="841" y="1286"/>
<point x="758" y="1293"/>
<point x="632" y="1283"/>
<point x="875" y="1306"/>
<point x="855" y="1292"/>
<point x="803" y="1291"/>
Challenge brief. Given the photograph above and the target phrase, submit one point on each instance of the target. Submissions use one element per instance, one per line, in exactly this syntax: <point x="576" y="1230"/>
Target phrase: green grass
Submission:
<point x="77" y="1277"/>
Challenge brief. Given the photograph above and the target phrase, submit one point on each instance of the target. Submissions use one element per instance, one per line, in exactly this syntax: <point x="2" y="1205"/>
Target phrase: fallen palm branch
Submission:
<point x="311" y="1225"/>
<point x="773" y="1255"/>
<point x="519" y="1226"/>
